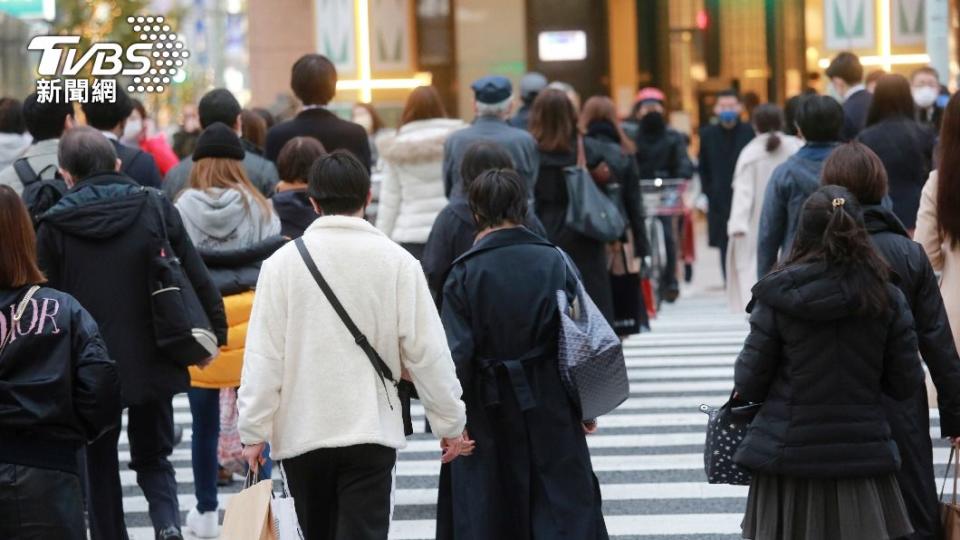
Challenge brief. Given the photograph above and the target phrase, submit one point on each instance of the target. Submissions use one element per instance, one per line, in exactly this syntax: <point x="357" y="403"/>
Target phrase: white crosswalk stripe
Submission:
<point x="647" y="455"/>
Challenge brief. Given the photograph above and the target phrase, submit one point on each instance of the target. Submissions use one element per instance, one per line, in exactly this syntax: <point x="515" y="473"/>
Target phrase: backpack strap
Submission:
<point x="25" y="171"/>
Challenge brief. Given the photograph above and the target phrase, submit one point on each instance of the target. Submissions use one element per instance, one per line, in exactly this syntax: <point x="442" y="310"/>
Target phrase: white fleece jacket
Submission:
<point x="305" y="382"/>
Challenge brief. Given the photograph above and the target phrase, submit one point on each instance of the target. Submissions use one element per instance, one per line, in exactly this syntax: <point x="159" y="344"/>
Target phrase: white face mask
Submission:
<point x="131" y="131"/>
<point x="925" y="96"/>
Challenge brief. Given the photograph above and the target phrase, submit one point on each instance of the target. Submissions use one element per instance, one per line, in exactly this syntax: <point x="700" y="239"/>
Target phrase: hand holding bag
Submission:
<point x="248" y="512"/>
<point x="950" y="511"/>
<point x="589" y="211"/>
<point x="726" y="429"/>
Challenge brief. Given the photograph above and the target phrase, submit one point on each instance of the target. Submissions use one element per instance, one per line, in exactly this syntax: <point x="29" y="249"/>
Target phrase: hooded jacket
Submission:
<point x="58" y="386"/>
<point x="790" y="185"/>
<point x="96" y="244"/>
<point x="221" y="218"/>
<point x="294" y="210"/>
<point x="821" y="369"/>
<point x="12" y="146"/>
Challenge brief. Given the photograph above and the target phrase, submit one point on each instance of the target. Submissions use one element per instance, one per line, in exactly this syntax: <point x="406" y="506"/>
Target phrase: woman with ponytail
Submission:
<point x="938" y="221"/>
<point x="829" y="336"/>
<point x="755" y="165"/>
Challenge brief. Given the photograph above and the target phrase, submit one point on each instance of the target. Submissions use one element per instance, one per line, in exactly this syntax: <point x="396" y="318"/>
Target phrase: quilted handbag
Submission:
<point x="726" y="429"/>
<point x="590" y="212"/>
<point x="590" y="354"/>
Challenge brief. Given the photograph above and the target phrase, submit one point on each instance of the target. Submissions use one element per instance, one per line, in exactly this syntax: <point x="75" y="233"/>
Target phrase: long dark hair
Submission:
<point x="424" y="103"/>
<point x="891" y="98"/>
<point x="553" y="121"/>
<point x="768" y="118"/>
<point x="948" y="173"/>
<point x="603" y="109"/>
<point x="18" y="258"/>
<point x="832" y="232"/>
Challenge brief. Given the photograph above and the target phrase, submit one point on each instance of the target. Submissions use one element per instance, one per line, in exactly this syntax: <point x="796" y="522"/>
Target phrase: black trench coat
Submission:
<point x="531" y="469"/>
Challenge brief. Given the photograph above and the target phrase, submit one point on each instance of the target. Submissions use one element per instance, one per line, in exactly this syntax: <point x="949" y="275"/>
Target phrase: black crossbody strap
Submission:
<point x="24" y="171"/>
<point x="381" y="367"/>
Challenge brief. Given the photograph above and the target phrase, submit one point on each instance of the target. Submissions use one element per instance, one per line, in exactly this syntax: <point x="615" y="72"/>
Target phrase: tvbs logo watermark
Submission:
<point x="151" y="64"/>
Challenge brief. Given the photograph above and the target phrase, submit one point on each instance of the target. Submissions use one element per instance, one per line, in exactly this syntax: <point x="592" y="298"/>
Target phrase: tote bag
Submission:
<point x="589" y="211"/>
<point x="248" y="514"/>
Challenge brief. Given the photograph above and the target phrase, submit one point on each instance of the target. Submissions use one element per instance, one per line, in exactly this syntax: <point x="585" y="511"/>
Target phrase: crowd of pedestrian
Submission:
<point x="241" y="265"/>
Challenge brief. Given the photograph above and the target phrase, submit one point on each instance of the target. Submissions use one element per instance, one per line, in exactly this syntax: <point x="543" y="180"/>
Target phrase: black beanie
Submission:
<point x="218" y="141"/>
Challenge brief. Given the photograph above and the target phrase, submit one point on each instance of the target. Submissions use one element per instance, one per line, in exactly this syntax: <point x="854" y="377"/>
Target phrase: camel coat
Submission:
<point x="944" y="257"/>
<point x="750" y="178"/>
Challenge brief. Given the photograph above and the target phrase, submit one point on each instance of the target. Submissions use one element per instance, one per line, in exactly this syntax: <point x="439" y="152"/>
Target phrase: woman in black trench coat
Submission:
<point x="553" y="123"/>
<point x="530" y="475"/>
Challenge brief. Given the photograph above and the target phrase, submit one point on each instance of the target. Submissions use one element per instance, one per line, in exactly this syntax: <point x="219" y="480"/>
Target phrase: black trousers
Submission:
<point x="40" y="504"/>
<point x="343" y="493"/>
<point x="150" y="432"/>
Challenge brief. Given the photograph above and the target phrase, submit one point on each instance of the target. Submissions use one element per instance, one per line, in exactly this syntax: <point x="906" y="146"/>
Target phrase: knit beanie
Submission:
<point x="218" y="141"/>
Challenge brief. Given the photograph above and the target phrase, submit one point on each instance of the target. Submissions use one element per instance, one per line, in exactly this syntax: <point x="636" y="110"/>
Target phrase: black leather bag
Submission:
<point x="405" y="389"/>
<point x="589" y="211"/>
<point x="181" y="327"/>
<point x="726" y="429"/>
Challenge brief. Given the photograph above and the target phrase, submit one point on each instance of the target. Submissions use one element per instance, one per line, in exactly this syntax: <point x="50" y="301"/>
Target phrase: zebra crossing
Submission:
<point x="647" y="454"/>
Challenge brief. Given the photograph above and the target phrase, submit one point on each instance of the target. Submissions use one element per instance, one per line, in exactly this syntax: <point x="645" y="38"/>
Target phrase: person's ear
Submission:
<point x="799" y="131"/>
<point x="238" y="124"/>
<point x="316" y="207"/>
<point x="116" y="168"/>
<point x="69" y="122"/>
<point x="369" y="198"/>
<point x="67" y="177"/>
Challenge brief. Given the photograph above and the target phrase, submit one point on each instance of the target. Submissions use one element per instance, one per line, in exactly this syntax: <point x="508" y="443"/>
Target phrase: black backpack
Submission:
<point x="39" y="194"/>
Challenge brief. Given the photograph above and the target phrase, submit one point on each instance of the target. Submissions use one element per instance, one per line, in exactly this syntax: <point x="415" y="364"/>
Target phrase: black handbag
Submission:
<point x="181" y="327"/>
<point x="726" y="429"/>
<point x="627" y="296"/>
<point x="589" y="211"/>
<point x="405" y="389"/>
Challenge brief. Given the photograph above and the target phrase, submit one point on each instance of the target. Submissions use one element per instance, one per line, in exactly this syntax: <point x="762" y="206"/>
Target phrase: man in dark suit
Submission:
<point x="846" y="78"/>
<point x="720" y="146"/>
<point x="110" y="119"/>
<point x="314" y="81"/>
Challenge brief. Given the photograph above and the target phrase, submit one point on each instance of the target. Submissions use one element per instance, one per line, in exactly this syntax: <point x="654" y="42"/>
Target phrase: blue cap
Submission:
<point x="493" y="89"/>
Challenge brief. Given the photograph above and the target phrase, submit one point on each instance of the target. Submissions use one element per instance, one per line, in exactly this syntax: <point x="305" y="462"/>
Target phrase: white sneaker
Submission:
<point x="203" y="524"/>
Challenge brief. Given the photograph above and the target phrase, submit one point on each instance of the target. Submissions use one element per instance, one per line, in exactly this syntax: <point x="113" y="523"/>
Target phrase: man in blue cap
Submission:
<point x="531" y="84"/>
<point x="493" y="101"/>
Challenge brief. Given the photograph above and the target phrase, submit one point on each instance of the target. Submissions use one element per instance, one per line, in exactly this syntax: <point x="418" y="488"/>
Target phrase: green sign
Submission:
<point x="27" y="9"/>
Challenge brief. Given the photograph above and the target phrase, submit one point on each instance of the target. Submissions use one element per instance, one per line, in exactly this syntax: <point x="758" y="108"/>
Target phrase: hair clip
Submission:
<point x="838" y="202"/>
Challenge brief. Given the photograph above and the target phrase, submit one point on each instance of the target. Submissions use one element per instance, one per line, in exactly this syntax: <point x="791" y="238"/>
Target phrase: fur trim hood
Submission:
<point x="418" y="141"/>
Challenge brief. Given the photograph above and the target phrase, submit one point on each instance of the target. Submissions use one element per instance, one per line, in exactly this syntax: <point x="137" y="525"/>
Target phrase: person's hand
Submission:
<point x="253" y="455"/>
<point x="468" y="444"/>
<point x="955" y="442"/>
<point x="452" y="448"/>
<point x="590" y="427"/>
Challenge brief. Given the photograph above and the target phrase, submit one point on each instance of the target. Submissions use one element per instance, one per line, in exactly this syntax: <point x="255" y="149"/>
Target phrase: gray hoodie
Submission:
<point x="219" y="218"/>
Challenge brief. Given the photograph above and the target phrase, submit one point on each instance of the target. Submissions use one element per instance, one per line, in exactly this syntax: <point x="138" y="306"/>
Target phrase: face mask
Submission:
<point x="131" y="131"/>
<point x="925" y="96"/>
<point x="728" y="117"/>
<point x="653" y="123"/>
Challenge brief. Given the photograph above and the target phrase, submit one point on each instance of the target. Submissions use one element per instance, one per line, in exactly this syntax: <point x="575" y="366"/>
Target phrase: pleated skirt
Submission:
<point x="788" y="508"/>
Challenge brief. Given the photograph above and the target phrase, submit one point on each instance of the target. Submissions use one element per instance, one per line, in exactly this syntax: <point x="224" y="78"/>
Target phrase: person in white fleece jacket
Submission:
<point x="309" y="389"/>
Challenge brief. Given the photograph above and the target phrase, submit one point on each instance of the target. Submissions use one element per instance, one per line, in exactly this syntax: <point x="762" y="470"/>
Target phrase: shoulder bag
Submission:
<point x="589" y="211"/>
<point x="726" y="429"/>
<point x="405" y="389"/>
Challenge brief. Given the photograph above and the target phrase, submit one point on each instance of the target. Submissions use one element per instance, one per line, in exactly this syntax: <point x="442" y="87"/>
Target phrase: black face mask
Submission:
<point x="653" y="123"/>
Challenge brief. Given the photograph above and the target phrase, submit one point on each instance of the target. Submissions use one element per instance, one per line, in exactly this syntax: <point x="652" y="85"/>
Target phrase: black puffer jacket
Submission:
<point x="58" y="386"/>
<point x="820" y="370"/>
<point x="235" y="271"/>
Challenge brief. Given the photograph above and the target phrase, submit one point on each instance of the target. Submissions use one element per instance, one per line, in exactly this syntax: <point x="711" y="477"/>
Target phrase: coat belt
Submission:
<point x="517" y="375"/>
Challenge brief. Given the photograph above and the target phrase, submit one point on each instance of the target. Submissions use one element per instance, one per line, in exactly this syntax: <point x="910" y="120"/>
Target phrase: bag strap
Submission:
<point x="18" y="314"/>
<point x="25" y="171"/>
<point x="581" y="153"/>
<point x="954" y="460"/>
<point x="381" y="367"/>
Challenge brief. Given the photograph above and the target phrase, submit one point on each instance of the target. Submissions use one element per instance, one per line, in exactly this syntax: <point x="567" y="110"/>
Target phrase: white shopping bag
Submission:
<point x="286" y="526"/>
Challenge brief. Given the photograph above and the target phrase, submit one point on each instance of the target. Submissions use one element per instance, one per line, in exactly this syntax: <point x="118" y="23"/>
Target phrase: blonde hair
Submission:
<point x="227" y="173"/>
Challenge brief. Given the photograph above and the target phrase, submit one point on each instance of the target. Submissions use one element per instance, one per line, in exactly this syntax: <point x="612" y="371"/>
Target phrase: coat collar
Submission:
<point x="342" y="222"/>
<point x="503" y="238"/>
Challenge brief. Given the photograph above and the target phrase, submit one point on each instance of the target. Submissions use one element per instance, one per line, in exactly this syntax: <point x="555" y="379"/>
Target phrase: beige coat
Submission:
<point x="944" y="257"/>
<point x="754" y="167"/>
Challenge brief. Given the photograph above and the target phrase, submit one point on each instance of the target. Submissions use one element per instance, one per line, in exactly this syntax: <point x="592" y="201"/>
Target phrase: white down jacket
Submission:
<point x="412" y="195"/>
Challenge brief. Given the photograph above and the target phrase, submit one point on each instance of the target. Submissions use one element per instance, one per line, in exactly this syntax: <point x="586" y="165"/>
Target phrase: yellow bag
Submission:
<point x="248" y="512"/>
<point x="950" y="511"/>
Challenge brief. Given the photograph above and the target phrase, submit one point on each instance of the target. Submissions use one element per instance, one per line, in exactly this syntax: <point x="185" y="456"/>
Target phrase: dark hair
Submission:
<point x="729" y="92"/>
<point x="874" y="76"/>
<point x="18" y="258"/>
<point x="423" y="103"/>
<point x="891" y="99"/>
<point x="108" y="115"/>
<point x="855" y="167"/>
<point x="553" y="121"/>
<point x="218" y="105"/>
<point x="929" y="70"/>
<point x="481" y="156"/>
<point x="948" y="173"/>
<point x="846" y="66"/>
<point x="84" y="151"/>
<point x="339" y="183"/>
<point x="138" y="106"/>
<point x="768" y="118"/>
<point x="820" y="118"/>
<point x="377" y="122"/>
<point x="11" y="117"/>
<point x="267" y="116"/>
<point x="314" y="79"/>
<point x="296" y="157"/>
<point x="791" y="110"/>
<point x="603" y="109"/>
<point x="253" y="127"/>
<point x="831" y="231"/>
<point x="45" y="120"/>
<point x="496" y="196"/>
